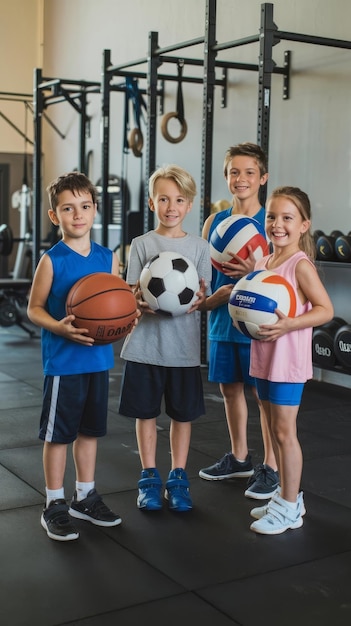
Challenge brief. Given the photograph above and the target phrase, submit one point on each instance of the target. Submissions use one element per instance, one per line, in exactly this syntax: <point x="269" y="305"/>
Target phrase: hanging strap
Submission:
<point x="180" y="101"/>
<point x="178" y="114"/>
<point x="135" y="140"/>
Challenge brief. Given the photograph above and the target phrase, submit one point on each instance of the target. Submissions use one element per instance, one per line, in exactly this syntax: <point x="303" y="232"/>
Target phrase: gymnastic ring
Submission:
<point x="136" y="141"/>
<point x="164" y="130"/>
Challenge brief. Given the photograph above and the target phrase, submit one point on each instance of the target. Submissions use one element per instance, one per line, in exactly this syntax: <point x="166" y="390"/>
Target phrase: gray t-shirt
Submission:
<point x="160" y="340"/>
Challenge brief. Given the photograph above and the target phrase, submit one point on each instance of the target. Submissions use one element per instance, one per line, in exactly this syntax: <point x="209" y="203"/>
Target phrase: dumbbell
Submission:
<point x="343" y="247"/>
<point x="342" y="345"/>
<point x="323" y="351"/>
<point x="316" y="234"/>
<point x="325" y="248"/>
<point x="7" y="240"/>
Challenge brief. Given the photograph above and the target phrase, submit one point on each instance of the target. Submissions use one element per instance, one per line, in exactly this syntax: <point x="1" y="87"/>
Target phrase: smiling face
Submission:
<point x="74" y="213"/>
<point x="244" y="177"/>
<point x="170" y="206"/>
<point x="284" y="223"/>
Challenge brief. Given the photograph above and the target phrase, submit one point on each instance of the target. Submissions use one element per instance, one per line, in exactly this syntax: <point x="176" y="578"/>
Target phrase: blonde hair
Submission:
<point x="302" y="202"/>
<point x="184" y="181"/>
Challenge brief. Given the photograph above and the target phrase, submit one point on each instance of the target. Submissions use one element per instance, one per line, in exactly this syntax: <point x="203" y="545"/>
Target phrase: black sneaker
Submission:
<point x="263" y="484"/>
<point x="228" y="467"/>
<point x="94" y="510"/>
<point x="57" y="522"/>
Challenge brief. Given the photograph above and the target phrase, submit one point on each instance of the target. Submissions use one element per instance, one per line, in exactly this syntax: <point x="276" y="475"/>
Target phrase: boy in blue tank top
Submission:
<point x="76" y="372"/>
<point x="245" y="170"/>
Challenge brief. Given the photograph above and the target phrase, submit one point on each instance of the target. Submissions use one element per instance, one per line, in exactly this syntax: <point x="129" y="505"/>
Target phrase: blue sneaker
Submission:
<point x="150" y="485"/>
<point x="177" y="491"/>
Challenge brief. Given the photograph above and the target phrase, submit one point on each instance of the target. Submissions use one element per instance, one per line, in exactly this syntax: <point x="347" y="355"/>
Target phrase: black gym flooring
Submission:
<point x="204" y="567"/>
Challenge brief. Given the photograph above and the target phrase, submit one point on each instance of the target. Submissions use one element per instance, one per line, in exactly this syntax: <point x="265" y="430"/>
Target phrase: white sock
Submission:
<point x="291" y="505"/>
<point x="83" y="489"/>
<point x="54" y="494"/>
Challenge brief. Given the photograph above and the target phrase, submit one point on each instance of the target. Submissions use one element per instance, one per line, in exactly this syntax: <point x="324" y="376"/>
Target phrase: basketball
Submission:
<point x="104" y="304"/>
<point x="169" y="283"/>
<point x="235" y="234"/>
<point x="254" y="299"/>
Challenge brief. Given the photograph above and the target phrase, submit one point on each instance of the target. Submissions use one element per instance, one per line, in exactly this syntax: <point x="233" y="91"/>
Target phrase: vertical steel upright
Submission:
<point x="153" y="63"/>
<point x="208" y="109"/>
<point x="207" y="135"/>
<point x="265" y="70"/>
<point x="36" y="218"/>
<point x="83" y="132"/>
<point x="105" y="144"/>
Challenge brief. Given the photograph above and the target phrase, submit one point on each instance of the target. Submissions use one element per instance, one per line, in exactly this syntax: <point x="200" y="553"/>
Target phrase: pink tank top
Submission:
<point x="289" y="359"/>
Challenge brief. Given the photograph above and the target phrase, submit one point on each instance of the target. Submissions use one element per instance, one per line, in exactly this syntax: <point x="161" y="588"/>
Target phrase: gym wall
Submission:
<point x="309" y="133"/>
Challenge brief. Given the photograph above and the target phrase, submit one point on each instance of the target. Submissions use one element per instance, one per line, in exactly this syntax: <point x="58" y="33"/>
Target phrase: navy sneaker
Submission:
<point x="177" y="491"/>
<point x="56" y="521"/>
<point x="263" y="483"/>
<point x="93" y="509"/>
<point x="150" y="485"/>
<point x="228" y="467"/>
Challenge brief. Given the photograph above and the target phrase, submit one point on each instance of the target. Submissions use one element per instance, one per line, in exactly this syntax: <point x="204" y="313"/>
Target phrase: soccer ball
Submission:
<point x="234" y="234"/>
<point x="254" y="299"/>
<point x="169" y="283"/>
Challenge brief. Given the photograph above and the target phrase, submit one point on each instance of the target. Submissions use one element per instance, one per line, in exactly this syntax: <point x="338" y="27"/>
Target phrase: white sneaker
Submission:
<point x="260" y="511"/>
<point x="278" y="518"/>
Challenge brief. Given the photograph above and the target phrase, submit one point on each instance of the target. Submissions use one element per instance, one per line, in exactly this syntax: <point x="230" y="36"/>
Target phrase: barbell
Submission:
<point x="7" y="240"/>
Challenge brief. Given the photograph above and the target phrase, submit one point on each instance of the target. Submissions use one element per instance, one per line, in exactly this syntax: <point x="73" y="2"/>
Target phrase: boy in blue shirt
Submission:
<point x="76" y="371"/>
<point x="245" y="170"/>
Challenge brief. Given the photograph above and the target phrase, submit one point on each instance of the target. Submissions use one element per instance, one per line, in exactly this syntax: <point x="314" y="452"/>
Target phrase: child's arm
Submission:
<point x="241" y="267"/>
<point x="115" y="264"/>
<point x="216" y="299"/>
<point x="37" y="312"/>
<point x="310" y="288"/>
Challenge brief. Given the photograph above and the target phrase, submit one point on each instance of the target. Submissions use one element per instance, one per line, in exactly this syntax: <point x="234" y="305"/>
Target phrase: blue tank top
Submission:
<point x="220" y="323"/>
<point x="61" y="356"/>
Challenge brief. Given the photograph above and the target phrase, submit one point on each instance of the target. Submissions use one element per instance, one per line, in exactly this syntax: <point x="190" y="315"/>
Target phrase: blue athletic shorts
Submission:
<point x="74" y="404"/>
<point x="144" y="386"/>
<point x="285" y="394"/>
<point x="230" y="363"/>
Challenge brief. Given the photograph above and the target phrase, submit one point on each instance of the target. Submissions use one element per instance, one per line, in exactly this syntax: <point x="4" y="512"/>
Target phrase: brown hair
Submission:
<point x="74" y="182"/>
<point x="246" y="149"/>
<point x="302" y="202"/>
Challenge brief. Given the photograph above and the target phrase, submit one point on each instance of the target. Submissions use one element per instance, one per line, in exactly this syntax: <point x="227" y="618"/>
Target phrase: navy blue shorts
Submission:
<point x="74" y="404"/>
<point x="144" y="386"/>
<point x="284" y="394"/>
<point x="229" y="363"/>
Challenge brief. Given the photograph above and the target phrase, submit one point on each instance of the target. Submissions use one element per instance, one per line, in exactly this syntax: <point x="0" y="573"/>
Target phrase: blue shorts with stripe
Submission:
<point x="74" y="404"/>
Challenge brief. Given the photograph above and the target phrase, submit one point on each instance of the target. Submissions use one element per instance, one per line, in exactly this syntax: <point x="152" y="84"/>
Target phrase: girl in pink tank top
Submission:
<point x="281" y="361"/>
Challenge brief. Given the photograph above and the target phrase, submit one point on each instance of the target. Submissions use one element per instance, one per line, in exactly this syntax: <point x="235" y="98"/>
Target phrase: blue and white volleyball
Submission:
<point x="255" y="298"/>
<point x="235" y="234"/>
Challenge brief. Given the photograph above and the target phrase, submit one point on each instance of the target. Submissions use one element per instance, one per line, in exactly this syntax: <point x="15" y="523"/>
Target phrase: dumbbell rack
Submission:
<point x="336" y="277"/>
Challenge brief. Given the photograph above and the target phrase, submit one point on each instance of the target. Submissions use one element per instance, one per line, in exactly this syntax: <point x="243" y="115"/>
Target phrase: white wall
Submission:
<point x="310" y="134"/>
